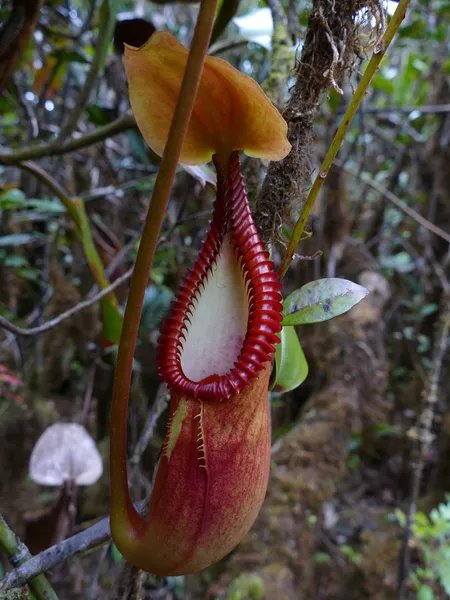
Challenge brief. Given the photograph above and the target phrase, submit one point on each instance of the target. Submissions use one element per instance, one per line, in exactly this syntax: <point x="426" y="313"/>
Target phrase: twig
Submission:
<point x="395" y="200"/>
<point x="426" y="109"/>
<point x="122" y="254"/>
<point x="226" y="45"/>
<point x="69" y="35"/>
<point x="52" y="184"/>
<point x="76" y="209"/>
<point x="107" y="21"/>
<point x="159" y="406"/>
<point x="18" y="553"/>
<point x="277" y="10"/>
<point x="281" y="56"/>
<point x="423" y="433"/>
<point x="32" y="331"/>
<point x="121" y="124"/>
<point x="88" y="394"/>
<point x="29" y="112"/>
<point x="372" y="67"/>
<point x="94" y="537"/>
<point x="92" y="592"/>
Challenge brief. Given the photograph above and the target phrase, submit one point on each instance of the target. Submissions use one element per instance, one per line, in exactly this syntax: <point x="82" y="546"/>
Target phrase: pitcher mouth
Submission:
<point x="222" y="326"/>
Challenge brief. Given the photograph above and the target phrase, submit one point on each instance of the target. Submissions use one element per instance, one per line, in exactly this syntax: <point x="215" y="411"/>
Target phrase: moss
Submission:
<point x="22" y="594"/>
<point x="248" y="586"/>
<point x="282" y="61"/>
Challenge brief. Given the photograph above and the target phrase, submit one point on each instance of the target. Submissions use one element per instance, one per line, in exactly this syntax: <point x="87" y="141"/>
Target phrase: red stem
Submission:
<point x="125" y="521"/>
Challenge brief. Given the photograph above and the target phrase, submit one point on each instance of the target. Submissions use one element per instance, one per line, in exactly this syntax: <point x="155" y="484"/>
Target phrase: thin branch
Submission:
<point x="18" y="553"/>
<point x="281" y="55"/>
<point x="48" y="30"/>
<point x="92" y="538"/>
<point x="277" y="10"/>
<point x="32" y="331"/>
<point x="88" y="394"/>
<point x="106" y="28"/>
<point x="423" y="434"/>
<point x="159" y="406"/>
<point x="120" y="125"/>
<point x="79" y="544"/>
<point x="371" y="69"/>
<point x="426" y="109"/>
<point x="52" y="184"/>
<point x="395" y="200"/>
<point x="226" y="45"/>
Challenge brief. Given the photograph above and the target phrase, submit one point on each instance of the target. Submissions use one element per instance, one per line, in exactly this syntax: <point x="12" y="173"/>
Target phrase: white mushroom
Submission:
<point x="65" y="451"/>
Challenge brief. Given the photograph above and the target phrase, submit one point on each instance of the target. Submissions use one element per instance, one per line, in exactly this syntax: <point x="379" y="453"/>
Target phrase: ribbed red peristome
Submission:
<point x="231" y="214"/>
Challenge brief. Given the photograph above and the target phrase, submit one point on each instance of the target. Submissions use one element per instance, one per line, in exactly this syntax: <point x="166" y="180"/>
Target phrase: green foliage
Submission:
<point x="225" y="12"/>
<point x="108" y="12"/>
<point x="431" y="536"/>
<point x="321" y="558"/>
<point x="248" y="586"/>
<point x="321" y="300"/>
<point x="291" y="368"/>
<point x="111" y="315"/>
<point x="115" y="553"/>
<point x="425" y="592"/>
<point x="156" y="305"/>
<point x="165" y="263"/>
<point x="351" y="554"/>
<point x="316" y="301"/>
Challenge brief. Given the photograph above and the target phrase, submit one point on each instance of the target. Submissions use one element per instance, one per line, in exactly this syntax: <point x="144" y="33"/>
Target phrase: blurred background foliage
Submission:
<point x="75" y="180"/>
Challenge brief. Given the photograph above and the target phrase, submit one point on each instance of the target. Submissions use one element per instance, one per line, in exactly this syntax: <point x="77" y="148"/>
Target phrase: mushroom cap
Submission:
<point x="65" y="451"/>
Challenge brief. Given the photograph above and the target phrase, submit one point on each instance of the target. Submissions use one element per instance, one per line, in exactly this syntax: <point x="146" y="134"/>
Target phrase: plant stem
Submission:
<point x="395" y="200"/>
<point x="122" y="510"/>
<point x="372" y="67"/>
<point x="108" y="13"/>
<point x="32" y="331"/>
<point x="54" y="148"/>
<point x="424" y="434"/>
<point x="111" y="317"/>
<point x="18" y="553"/>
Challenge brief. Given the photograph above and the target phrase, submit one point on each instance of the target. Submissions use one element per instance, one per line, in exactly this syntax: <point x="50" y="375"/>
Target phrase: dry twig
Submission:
<point x="32" y="331"/>
<point x="424" y="436"/>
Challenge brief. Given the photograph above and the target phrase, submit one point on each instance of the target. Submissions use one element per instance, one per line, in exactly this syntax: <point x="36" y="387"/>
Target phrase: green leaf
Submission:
<point x="108" y="12"/>
<point x="425" y="593"/>
<point x="70" y="56"/>
<point x="18" y="239"/>
<point x="416" y="29"/>
<point x="100" y="115"/>
<point x="116" y="555"/>
<point x="322" y="300"/>
<point x="45" y="205"/>
<point x="226" y="12"/>
<point x="111" y="320"/>
<point x="12" y="198"/>
<point x="321" y="558"/>
<point x="291" y="368"/>
<point x="156" y="305"/>
<point x="401" y="517"/>
<point x="15" y="261"/>
<point x="401" y="262"/>
<point x="111" y="316"/>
